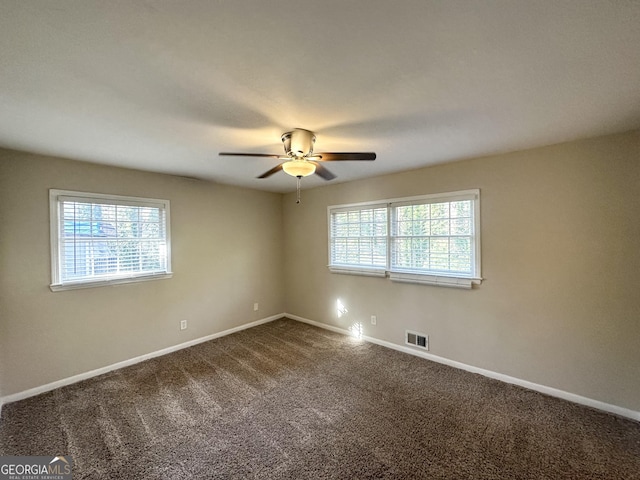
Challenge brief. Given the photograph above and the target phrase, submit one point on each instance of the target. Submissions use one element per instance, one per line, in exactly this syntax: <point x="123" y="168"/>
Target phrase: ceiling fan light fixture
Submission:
<point x="300" y="161"/>
<point x="299" y="168"/>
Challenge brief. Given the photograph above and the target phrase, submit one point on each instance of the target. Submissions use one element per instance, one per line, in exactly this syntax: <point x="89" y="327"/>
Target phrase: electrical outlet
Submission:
<point x="255" y="307"/>
<point x="183" y="324"/>
<point x="374" y="320"/>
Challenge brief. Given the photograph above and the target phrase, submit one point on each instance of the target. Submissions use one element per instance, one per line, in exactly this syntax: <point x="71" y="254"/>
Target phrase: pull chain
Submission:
<point x="298" y="189"/>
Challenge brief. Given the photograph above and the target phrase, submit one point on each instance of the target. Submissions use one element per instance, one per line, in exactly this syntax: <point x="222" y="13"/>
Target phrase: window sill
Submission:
<point x="437" y="280"/>
<point x="410" y="277"/>
<point x="58" y="287"/>
<point x="367" y="272"/>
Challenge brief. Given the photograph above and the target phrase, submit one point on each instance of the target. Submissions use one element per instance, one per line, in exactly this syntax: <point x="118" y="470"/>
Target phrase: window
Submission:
<point x="431" y="239"/>
<point x="101" y="239"/>
<point x="359" y="238"/>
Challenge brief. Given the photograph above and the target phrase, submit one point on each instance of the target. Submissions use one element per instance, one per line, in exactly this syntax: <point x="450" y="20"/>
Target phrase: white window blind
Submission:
<point x="358" y="237"/>
<point x="98" y="239"/>
<point x="432" y="239"/>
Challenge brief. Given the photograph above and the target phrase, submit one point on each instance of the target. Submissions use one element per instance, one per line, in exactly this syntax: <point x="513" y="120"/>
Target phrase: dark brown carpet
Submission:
<point x="289" y="401"/>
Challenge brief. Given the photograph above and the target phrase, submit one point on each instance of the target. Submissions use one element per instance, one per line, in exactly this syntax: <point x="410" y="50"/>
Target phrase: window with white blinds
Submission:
<point x="431" y="239"/>
<point x="99" y="239"/>
<point x="359" y="237"/>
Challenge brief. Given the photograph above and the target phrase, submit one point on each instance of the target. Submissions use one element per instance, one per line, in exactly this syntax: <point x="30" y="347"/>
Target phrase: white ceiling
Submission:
<point x="164" y="86"/>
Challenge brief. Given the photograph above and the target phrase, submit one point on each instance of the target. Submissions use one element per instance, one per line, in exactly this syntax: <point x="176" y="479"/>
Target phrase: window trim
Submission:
<point x="443" y="279"/>
<point x="57" y="195"/>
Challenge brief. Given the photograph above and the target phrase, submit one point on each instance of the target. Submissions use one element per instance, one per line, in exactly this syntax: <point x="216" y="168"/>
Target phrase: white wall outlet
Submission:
<point x="374" y="320"/>
<point x="255" y="307"/>
<point x="183" y="324"/>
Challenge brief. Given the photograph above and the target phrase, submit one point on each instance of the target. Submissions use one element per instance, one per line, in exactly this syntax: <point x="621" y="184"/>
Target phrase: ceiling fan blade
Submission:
<point x="323" y="172"/>
<point x="227" y="154"/>
<point x="275" y="169"/>
<point x="346" y="156"/>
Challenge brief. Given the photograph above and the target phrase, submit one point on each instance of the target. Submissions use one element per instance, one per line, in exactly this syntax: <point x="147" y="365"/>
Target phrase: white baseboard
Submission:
<point x="554" y="392"/>
<point x="623" y="412"/>
<point x="94" y="373"/>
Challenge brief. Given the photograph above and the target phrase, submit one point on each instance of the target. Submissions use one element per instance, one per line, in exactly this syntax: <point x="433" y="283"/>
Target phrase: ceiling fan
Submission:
<point x="299" y="159"/>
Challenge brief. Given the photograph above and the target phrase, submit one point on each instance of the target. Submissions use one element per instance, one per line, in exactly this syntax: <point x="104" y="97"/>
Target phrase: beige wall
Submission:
<point x="226" y="255"/>
<point x="560" y="305"/>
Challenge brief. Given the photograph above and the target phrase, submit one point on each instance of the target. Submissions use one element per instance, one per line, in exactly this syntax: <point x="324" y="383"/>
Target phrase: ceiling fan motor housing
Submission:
<point x="298" y="142"/>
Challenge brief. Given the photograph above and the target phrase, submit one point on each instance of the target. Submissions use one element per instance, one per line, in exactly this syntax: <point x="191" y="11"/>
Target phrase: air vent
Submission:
<point x="416" y="339"/>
